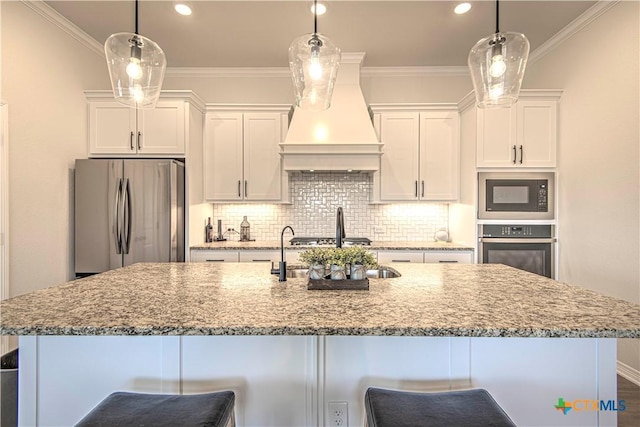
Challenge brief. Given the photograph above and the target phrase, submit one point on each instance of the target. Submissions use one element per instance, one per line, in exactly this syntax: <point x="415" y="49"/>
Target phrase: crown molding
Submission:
<point x="47" y="12"/>
<point x="216" y="107"/>
<point x="208" y="72"/>
<point x="590" y="15"/>
<point x="439" y="106"/>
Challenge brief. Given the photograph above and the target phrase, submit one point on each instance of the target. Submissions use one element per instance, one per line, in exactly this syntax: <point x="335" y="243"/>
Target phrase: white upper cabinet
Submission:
<point x="524" y="135"/>
<point x="242" y="157"/>
<point x="400" y="133"/>
<point x="420" y="158"/>
<point x="223" y="156"/>
<point x="439" y="155"/>
<point x="115" y="129"/>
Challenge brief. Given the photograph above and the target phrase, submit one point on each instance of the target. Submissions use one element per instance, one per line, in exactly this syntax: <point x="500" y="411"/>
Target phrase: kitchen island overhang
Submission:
<point x="471" y="300"/>
<point x="287" y="351"/>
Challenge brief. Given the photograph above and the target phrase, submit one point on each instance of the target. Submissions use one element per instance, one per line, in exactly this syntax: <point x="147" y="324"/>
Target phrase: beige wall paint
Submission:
<point x="44" y="73"/>
<point x="598" y="158"/>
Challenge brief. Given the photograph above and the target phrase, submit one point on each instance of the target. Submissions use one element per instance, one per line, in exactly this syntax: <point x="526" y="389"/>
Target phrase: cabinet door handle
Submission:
<point x="245" y="188"/>
<point x="239" y="184"/>
<point x="131" y="141"/>
<point x="521" y="154"/>
<point x="416" y="188"/>
<point x="514" y="155"/>
<point x="139" y="140"/>
<point x="422" y="188"/>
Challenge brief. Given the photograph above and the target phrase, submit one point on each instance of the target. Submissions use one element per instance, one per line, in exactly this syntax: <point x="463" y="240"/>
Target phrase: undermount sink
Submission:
<point x="378" y="273"/>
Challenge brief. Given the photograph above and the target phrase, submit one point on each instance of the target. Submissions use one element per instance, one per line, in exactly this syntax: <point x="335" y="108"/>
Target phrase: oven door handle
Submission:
<point x="516" y="240"/>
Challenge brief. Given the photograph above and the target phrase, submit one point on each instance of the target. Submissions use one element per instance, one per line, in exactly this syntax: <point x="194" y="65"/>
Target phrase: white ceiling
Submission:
<point x="242" y="33"/>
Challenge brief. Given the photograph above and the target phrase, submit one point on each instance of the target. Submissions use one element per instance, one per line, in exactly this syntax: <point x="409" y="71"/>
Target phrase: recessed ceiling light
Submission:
<point x="462" y="8"/>
<point x="182" y="9"/>
<point x="322" y="8"/>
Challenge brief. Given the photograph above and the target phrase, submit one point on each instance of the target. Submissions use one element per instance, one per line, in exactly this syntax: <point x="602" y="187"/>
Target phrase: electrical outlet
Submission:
<point x="338" y="414"/>
<point x="378" y="229"/>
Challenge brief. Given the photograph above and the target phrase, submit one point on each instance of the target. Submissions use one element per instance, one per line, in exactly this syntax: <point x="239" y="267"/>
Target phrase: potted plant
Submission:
<point x="337" y="263"/>
<point x="316" y="259"/>
<point x="359" y="260"/>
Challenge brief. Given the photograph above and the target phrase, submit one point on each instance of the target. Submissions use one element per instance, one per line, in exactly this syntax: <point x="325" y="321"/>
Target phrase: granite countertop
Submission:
<point x="375" y="245"/>
<point x="244" y="299"/>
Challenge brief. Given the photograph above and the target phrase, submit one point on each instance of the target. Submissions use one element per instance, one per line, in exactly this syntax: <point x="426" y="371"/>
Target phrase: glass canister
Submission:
<point x="245" y="230"/>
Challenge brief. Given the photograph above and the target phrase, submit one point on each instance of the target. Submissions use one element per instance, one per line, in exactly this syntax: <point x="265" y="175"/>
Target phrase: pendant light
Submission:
<point x="136" y="67"/>
<point x="497" y="64"/>
<point x="314" y="61"/>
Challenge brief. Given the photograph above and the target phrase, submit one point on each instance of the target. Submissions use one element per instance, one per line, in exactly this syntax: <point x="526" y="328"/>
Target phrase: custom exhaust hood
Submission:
<point x="340" y="138"/>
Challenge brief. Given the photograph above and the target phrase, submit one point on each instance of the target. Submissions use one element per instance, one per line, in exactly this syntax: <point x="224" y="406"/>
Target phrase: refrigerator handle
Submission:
<point x="116" y="222"/>
<point x="126" y="214"/>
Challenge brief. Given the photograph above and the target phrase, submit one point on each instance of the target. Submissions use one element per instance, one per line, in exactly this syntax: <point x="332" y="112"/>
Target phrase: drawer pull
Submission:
<point x="447" y="261"/>
<point x="400" y="260"/>
<point x="215" y="260"/>
<point x="261" y="260"/>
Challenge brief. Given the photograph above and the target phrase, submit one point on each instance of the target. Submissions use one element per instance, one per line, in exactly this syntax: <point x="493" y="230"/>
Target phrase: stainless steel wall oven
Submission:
<point x="527" y="247"/>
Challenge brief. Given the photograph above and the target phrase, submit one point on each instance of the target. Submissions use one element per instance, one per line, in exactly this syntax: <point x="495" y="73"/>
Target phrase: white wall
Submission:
<point x="275" y="87"/>
<point x="598" y="158"/>
<point x="44" y="73"/>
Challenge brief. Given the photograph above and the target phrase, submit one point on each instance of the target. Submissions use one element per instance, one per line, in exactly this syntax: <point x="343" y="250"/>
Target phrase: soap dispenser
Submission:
<point x="245" y="230"/>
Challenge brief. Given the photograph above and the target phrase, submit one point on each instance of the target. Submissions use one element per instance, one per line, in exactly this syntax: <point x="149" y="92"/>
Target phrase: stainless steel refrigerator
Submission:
<point x="128" y="211"/>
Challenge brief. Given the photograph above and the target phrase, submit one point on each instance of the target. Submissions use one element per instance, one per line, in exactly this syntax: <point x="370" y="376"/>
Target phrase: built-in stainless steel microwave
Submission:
<point x="516" y="195"/>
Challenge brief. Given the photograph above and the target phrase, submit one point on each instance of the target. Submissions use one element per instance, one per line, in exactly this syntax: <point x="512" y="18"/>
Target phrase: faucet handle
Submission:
<point x="273" y="269"/>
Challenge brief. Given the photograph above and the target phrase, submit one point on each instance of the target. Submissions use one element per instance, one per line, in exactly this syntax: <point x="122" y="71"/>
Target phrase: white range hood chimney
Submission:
<point x="339" y="138"/>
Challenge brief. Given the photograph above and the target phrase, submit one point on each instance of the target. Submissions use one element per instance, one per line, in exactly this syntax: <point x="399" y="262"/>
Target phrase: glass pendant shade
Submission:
<point x="314" y="61"/>
<point x="497" y="66"/>
<point x="136" y="68"/>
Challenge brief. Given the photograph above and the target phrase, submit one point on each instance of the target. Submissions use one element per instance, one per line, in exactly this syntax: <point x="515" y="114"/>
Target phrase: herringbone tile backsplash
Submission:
<point x="315" y="198"/>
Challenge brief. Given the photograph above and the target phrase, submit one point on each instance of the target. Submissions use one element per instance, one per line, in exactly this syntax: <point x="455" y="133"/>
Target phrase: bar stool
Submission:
<point x="124" y="409"/>
<point x="390" y="408"/>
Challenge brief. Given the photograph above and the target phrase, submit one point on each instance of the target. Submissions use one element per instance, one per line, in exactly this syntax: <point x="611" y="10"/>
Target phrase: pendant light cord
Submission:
<point x="315" y="16"/>
<point x="137" y="17"/>
<point x="497" y="16"/>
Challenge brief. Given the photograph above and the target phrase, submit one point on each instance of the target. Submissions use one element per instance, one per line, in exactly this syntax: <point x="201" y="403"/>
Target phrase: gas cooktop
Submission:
<point x="329" y="241"/>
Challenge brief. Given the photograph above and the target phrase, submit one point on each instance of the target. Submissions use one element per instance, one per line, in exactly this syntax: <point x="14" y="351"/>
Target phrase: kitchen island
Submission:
<point x="287" y="351"/>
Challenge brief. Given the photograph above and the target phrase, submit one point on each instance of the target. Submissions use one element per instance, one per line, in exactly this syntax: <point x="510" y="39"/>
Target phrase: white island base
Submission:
<point x="290" y="380"/>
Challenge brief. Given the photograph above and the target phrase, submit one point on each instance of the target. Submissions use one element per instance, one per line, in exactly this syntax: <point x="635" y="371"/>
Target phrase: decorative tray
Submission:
<point x="338" y="285"/>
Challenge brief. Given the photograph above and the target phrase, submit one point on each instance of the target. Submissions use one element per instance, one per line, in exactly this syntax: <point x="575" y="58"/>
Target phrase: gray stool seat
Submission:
<point x="465" y="408"/>
<point x="170" y="410"/>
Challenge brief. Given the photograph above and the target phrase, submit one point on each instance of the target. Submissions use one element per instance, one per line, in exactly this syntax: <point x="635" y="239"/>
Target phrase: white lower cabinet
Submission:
<point x="399" y="256"/>
<point x="293" y="256"/>
<point x="214" y="256"/>
<point x="462" y="257"/>
<point x="259" y="256"/>
<point x="234" y="256"/>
